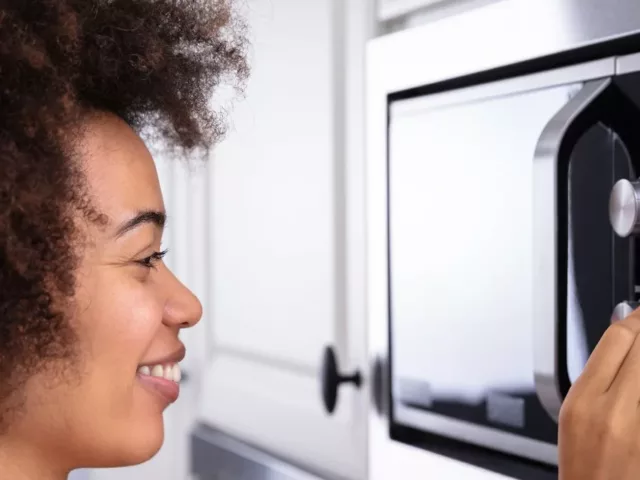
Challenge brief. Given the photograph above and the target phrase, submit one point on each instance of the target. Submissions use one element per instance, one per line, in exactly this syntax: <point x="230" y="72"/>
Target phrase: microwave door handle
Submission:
<point x="555" y="143"/>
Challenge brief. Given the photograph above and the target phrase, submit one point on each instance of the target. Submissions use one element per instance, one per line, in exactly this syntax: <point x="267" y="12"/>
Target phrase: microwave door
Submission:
<point x="583" y="268"/>
<point x="460" y="260"/>
<point x="497" y="198"/>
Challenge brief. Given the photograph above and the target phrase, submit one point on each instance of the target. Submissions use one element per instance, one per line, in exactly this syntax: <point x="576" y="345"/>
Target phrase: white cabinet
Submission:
<point x="389" y="9"/>
<point x="269" y="235"/>
<point x="286" y="200"/>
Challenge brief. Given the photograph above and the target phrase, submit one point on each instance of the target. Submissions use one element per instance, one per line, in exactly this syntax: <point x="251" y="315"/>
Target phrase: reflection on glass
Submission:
<point x="461" y="255"/>
<point x="577" y="348"/>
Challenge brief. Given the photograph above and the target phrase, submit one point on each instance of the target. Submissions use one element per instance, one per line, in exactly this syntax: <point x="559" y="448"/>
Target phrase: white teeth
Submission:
<point x="157" y="371"/>
<point x="168" y="372"/>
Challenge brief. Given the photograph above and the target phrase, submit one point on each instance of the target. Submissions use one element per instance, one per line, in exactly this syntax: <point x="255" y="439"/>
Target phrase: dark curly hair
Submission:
<point x="153" y="63"/>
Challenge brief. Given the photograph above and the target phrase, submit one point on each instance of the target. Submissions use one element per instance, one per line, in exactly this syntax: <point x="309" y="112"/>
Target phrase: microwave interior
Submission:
<point x="461" y="170"/>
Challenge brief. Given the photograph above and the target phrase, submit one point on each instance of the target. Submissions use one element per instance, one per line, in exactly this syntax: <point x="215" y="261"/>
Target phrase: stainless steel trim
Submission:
<point x="628" y="64"/>
<point x="545" y="206"/>
<point x="550" y="78"/>
<point x="478" y="435"/>
<point x="215" y="454"/>
<point x="504" y="33"/>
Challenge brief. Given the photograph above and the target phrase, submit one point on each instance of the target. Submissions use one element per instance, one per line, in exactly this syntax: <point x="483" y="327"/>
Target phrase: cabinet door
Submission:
<point x="283" y="282"/>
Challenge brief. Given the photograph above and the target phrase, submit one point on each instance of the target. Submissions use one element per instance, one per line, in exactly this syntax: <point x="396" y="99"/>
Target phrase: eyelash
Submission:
<point x="150" y="261"/>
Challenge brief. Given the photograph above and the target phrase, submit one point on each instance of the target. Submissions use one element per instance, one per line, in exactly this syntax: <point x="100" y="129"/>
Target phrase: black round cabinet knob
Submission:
<point x="332" y="379"/>
<point x="378" y="385"/>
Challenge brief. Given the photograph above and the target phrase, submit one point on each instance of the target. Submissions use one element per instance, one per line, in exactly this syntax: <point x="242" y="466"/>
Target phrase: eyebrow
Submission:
<point x="154" y="217"/>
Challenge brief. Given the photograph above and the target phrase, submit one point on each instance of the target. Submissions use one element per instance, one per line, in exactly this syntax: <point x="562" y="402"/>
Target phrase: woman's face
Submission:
<point x="128" y="313"/>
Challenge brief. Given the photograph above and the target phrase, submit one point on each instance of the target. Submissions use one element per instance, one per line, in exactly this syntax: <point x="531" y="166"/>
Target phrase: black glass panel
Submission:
<point x="600" y="264"/>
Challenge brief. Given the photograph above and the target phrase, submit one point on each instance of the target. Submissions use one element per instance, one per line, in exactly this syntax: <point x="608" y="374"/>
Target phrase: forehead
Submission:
<point x="120" y="171"/>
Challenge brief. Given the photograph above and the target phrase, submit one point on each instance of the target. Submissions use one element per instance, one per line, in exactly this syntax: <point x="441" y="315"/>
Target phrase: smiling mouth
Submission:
<point x="169" y="371"/>
<point x="161" y="379"/>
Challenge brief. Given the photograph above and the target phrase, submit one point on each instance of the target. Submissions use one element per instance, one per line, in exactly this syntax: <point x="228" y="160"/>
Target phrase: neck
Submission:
<point x="24" y="462"/>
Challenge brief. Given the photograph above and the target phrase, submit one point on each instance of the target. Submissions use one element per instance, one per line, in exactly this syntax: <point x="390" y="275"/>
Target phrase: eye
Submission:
<point x="151" y="260"/>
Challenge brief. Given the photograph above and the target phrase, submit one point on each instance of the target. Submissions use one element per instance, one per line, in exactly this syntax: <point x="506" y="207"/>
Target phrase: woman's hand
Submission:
<point x="599" y="425"/>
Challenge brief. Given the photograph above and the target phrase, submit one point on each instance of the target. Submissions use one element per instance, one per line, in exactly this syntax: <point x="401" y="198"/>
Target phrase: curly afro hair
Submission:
<point x="153" y="63"/>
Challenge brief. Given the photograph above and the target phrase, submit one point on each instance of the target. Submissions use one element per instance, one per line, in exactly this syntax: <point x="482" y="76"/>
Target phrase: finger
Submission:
<point x="625" y="387"/>
<point x="608" y="356"/>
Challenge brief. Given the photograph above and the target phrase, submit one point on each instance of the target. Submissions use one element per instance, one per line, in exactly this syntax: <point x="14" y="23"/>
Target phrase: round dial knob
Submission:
<point x="623" y="309"/>
<point x="332" y="379"/>
<point x="624" y="207"/>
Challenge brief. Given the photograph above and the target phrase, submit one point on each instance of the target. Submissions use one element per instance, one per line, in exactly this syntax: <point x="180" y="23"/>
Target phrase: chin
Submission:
<point x="143" y="443"/>
<point x="143" y="451"/>
<point x="136" y="443"/>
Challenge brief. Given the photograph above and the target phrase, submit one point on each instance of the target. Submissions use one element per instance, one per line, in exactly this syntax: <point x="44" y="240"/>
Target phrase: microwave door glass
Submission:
<point x="460" y="260"/>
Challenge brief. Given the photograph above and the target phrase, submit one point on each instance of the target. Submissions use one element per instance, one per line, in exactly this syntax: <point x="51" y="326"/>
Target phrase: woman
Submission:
<point x="89" y="314"/>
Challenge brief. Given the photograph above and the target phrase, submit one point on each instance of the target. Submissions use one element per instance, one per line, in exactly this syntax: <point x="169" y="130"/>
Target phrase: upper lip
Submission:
<point x="175" y="357"/>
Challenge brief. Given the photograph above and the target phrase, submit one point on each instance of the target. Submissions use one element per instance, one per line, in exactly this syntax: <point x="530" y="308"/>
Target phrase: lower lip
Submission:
<point x="167" y="389"/>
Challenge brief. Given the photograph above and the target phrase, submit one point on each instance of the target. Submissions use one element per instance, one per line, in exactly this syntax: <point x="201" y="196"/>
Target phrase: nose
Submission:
<point x="182" y="308"/>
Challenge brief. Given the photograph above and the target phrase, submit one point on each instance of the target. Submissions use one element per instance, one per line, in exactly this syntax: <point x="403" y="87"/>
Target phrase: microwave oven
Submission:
<point x="503" y="202"/>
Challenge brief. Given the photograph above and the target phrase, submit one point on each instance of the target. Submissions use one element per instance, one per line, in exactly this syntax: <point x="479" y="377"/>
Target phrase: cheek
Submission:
<point x="115" y="330"/>
<point x="123" y="320"/>
<point x="128" y="328"/>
